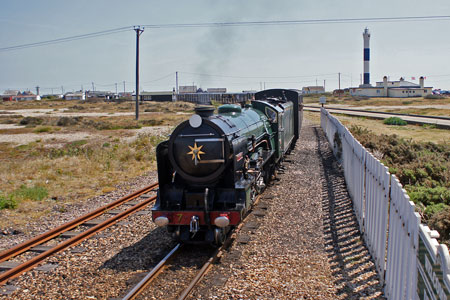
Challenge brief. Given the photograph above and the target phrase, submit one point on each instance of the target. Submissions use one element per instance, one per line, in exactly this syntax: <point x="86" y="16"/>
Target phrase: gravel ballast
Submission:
<point x="301" y="242"/>
<point x="293" y="254"/>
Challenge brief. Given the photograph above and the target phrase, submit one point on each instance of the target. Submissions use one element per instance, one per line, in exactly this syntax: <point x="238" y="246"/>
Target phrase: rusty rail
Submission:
<point x="14" y="272"/>
<point x="150" y="276"/>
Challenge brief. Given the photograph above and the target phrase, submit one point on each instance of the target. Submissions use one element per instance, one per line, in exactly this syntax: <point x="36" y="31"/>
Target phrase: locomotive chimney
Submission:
<point x="204" y="111"/>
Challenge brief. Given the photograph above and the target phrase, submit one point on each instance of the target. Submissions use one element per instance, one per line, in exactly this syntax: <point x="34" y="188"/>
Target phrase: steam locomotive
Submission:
<point x="213" y="165"/>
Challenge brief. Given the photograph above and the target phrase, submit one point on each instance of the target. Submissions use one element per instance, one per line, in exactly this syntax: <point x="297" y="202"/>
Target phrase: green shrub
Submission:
<point x="36" y="193"/>
<point x="440" y="221"/>
<point x="433" y="209"/>
<point x="427" y="195"/>
<point x="8" y="201"/>
<point x="31" y="121"/>
<point x="395" y="121"/>
<point x="42" y="129"/>
<point x="68" y="121"/>
<point x="434" y="97"/>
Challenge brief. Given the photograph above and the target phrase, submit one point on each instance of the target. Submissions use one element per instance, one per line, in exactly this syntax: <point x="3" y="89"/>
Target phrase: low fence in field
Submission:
<point x="410" y="261"/>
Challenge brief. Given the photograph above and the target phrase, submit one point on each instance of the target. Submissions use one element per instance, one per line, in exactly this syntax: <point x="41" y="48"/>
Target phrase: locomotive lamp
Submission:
<point x="161" y="221"/>
<point x="222" y="221"/>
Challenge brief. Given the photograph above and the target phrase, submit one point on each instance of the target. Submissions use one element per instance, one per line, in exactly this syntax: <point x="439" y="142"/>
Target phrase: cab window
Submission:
<point x="271" y="115"/>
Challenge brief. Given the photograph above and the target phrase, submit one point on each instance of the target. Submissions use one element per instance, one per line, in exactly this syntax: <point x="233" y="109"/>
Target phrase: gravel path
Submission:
<point x="301" y="242"/>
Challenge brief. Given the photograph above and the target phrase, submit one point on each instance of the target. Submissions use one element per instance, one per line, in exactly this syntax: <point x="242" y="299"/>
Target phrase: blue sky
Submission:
<point x="238" y="58"/>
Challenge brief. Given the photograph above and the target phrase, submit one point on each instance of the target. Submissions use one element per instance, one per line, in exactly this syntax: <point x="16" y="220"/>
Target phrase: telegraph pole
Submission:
<point x="124" y="88"/>
<point x="339" y="92"/>
<point x="37" y="90"/>
<point x="176" y="81"/>
<point x="139" y="31"/>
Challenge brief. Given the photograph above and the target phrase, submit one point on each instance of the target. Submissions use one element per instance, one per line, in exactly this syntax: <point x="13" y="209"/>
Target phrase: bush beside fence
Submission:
<point x="410" y="261"/>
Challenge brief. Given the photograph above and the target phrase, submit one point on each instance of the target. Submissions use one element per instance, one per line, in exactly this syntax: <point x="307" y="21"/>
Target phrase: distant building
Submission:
<point x="185" y="89"/>
<point x="125" y="95"/>
<point x="53" y="96"/>
<point x="100" y="94"/>
<point x="26" y="96"/>
<point x="9" y="94"/>
<point x="313" y="90"/>
<point x="75" y="96"/>
<point x="156" y="96"/>
<point x="395" y="89"/>
<point x="216" y="90"/>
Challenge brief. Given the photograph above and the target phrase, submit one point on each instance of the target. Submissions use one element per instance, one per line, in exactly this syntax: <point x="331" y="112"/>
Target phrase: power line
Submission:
<point x="301" y="22"/>
<point x="68" y="39"/>
<point x="230" y="24"/>
<point x="258" y="77"/>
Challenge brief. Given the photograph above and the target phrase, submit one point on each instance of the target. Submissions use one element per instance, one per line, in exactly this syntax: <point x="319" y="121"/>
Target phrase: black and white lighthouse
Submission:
<point x="366" y="37"/>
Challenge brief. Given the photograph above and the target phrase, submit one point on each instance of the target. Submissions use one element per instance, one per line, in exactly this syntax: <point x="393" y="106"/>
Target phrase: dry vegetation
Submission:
<point x="418" y="155"/>
<point x="365" y="101"/>
<point x="424" y="133"/>
<point x="38" y="176"/>
<point x="423" y="168"/>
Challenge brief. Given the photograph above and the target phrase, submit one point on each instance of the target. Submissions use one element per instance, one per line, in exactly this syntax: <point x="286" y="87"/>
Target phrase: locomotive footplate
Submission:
<point x="185" y="217"/>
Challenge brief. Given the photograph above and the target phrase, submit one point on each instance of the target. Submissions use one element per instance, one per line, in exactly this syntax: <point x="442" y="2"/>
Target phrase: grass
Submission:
<point x="394" y="121"/>
<point x="96" y="106"/>
<point x="75" y="172"/>
<point x="414" y="132"/>
<point x="48" y="175"/>
<point x="363" y="101"/>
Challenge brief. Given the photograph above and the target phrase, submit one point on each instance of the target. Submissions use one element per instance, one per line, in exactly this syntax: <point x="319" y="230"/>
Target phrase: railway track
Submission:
<point x="88" y="220"/>
<point x="141" y="286"/>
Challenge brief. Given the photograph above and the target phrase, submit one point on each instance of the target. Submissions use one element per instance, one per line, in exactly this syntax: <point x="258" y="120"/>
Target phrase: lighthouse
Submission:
<point x="366" y="37"/>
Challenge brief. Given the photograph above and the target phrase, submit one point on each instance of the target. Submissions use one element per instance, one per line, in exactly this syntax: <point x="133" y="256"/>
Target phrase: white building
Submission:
<point x="313" y="90"/>
<point x="393" y="89"/>
<point x="26" y="96"/>
<point x="184" y="89"/>
<point x="75" y="96"/>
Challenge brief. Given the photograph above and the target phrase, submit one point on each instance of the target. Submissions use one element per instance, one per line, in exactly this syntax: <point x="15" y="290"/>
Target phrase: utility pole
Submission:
<point x="316" y="81"/>
<point x="139" y="31"/>
<point x="93" y="88"/>
<point x="37" y="90"/>
<point x="176" y="82"/>
<point x="62" y="90"/>
<point x="116" y="89"/>
<point x="339" y="92"/>
<point x="324" y="85"/>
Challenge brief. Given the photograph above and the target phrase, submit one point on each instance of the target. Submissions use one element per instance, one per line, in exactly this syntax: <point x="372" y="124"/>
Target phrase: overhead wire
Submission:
<point x="228" y="24"/>
<point x="300" y="22"/>
<point x="68" y="39"/>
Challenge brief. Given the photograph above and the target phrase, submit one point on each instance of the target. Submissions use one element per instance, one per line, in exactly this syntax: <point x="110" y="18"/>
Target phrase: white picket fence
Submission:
<point x="389" y="223"/>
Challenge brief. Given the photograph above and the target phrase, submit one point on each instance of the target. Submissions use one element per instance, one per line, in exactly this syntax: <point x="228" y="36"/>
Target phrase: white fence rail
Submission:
<point x="410" y="262"/>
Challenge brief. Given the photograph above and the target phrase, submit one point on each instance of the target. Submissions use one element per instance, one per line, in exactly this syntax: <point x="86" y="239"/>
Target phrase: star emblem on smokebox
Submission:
<point x="196" y="152"/>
